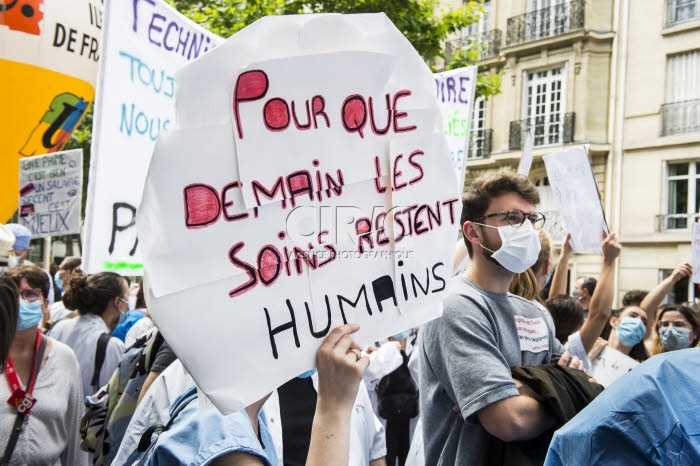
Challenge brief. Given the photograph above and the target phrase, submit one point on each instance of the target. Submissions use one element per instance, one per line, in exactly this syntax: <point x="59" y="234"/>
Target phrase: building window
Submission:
<point x="683" y="191"/>
<point x="546" y="18"/>
<point x="479" y="28"/>
<point x="680" y="11"/>
<point x="545" y="105"/>
<point x="681" y="110"/>
<point x="476" y="141"/>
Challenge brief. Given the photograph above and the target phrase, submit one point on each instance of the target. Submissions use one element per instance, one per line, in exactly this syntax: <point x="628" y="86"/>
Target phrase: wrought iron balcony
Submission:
<point x="667" y="222"/>
<point x="545" y="22"/>
<point x="489" y="42"/>
<point x="680" y="117"/>
<point x="553" y="129"/>
<point x="681" y="11"/>
<point x="480" y="144"/>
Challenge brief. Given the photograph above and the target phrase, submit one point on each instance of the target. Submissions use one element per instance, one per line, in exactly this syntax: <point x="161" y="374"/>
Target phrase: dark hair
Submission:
<point x="140" y="298"/>
<point x="92" y="294"/>
<point x="634" y="297"/>
<point x="589" y="284"/>
<point x="567" y="314"/>
<point x="71" y="263"/>
<point x="9" y="314"/>
<point x="36" y="277"/>
<point x="689" y="315"/>
<point x="638" y="351"/>
<point x="477" y="199"/>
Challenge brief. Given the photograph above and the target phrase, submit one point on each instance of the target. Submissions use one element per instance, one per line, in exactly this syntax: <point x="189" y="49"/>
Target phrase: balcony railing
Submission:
<point x="490" y="43"/>
<point x="680" y="117"/>
<point x="552" y="129"/>
<point x="681" y="11"/>
<point x="545" y="22"/>
<point x="667" y="222"/>
<point x="480" y="144"/>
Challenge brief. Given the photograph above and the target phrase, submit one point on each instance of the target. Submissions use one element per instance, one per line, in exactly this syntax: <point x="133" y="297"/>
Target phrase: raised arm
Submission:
<point x="559" y="278"/>
<point x="340" y="370"/>
<point x="603" y="296"/>
<point x="652" y="301"/>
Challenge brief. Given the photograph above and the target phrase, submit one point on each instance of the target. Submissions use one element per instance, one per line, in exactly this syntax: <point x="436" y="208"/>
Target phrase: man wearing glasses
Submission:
<point x="466" y="355"/>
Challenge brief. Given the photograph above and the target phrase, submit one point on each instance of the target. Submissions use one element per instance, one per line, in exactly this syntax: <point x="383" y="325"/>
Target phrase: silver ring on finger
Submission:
<point x="357" y="354"/>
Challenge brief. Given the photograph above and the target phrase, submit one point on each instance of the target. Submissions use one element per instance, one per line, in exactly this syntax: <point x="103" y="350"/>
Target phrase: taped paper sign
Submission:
<point x="533" y="334"/>
<point x="144" y="43"/>
<point x="318" y="197"/>
<point x="455" y="93"/>
<point x="48" y="56"/>
<point x="576" y="195"/>
<point x="695" y="253"/>
<point x="51" y="190"/>
<point x="527" y="157"/>
<point x="610" y="365"/>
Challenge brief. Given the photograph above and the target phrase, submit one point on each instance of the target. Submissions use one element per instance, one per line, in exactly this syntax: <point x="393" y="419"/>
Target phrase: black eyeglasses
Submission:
<point x="516" y="218"/>
<point x="31" y="294"/>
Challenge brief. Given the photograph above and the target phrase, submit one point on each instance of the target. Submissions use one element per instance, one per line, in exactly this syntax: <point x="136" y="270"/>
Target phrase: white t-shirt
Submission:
<point x="81" y="334"/>
<point x="52" y="433"/>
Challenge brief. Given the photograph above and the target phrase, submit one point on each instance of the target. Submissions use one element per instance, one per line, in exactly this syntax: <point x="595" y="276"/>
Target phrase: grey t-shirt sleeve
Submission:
<point x="466" y="357"/>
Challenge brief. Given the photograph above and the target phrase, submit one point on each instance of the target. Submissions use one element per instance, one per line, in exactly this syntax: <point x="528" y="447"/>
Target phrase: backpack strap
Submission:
<point x="21" y="417"/>
<point x="180" y="404"/>
<point x="100" y="353"/>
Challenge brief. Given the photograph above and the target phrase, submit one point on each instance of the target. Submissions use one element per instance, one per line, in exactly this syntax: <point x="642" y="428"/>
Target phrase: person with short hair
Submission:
<point x="634" y="297"/>
<point x="467" y="354"/>
<point x="100" y="299"/>
<point x="567" y="313"/>
<point x="583" y="291"/>
<point x="47" y="371"/>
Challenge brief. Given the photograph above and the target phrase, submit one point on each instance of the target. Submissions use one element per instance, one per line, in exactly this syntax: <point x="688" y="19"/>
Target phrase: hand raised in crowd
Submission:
<point x="340" y="367"/>
<point x="567" y="360"/>
<point x="566" y="249"/>
<point x="681" y="271"/>
<point x="597" y="348"/>
<point x="611" y="247"/>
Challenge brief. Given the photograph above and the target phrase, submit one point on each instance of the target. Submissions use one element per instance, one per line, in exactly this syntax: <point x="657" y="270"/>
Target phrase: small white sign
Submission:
<point x="526" y="159"/>
<point x="50" y="193"/>
<point x="576" y="195"/>
<point x="610" y="365"/>
<point x="533" y="334"/>
<point x="695" y="258"/>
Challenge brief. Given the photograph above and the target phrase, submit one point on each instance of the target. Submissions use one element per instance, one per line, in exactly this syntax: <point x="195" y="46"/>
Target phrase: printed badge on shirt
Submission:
<point x="532" y="333"/>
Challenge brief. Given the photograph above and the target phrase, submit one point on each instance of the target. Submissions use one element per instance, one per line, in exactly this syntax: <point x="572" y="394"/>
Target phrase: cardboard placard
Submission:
<point x="576" y="195"/>
<point x="294" y="212"/>
<point x="51" y="191"/>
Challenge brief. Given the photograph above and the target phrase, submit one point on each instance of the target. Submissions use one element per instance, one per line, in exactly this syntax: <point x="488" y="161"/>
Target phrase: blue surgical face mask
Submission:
<point x="674" y="338"/>
<point x="57" y="280"/>
<point x="29" y="314"/>
<point x="630" y="331"/>
<point x="574" y="293"/>
<point x="402" y="335"/>
<point x="307" y="374"/>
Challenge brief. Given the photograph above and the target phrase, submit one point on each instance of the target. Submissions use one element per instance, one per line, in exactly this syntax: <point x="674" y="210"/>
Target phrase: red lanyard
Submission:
<point x="13" y="381"/>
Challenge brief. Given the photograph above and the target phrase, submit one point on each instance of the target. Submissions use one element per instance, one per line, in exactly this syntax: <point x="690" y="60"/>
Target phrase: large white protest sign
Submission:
<point x="304" y="187"/>
<point x="144" y="43"/>
<point x="50" y="194"/>
<point x="610" y="365"/>
<point x="455" y="92"/>
<point x="695" y="253"/>
<point x="576" y="195"/>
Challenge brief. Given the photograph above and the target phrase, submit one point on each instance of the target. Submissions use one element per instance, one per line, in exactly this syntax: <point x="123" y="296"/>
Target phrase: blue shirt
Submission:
<point x="131" y="318"/>
<point x="198" y="437"/>
<point x="649" y="416"/>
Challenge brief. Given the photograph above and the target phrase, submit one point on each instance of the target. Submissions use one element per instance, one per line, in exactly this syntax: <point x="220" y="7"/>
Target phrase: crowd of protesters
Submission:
<point x="512" y="359"/>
